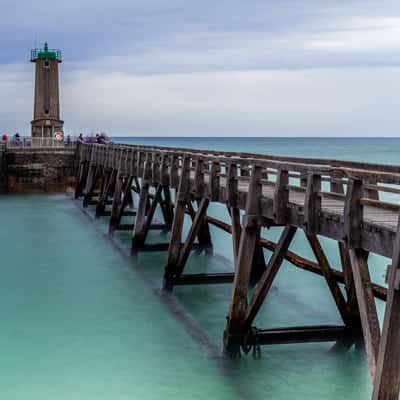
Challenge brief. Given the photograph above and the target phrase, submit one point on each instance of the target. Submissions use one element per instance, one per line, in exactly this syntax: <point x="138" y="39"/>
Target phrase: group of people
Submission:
<point x="100" y="138"/>
<point x="16" y="138"/>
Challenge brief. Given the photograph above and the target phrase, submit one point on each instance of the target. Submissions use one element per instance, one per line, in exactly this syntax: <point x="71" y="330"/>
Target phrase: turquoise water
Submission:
<point x="82" y="320"/>
<point x="382" y="150"/>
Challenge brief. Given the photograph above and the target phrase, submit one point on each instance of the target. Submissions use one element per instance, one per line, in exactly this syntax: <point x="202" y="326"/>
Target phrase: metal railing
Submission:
<point x="46" y="54"/>
<point x="29" y="142"/>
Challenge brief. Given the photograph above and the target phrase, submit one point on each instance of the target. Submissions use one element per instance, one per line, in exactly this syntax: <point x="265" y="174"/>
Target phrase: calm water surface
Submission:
<point x="81" y="321"/>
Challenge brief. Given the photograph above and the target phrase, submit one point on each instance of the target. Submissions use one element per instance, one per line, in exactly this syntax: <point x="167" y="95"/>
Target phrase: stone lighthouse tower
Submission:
<point x="46" y="115"/>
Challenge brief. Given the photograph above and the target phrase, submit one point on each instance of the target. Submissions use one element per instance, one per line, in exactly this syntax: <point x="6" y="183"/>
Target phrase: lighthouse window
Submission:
<point x="46" y="111"/>
<point x="46" y="64"/>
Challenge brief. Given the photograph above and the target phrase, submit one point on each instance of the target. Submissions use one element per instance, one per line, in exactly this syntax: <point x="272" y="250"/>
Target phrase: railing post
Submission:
<point x="281" y="197"/>
<point x="353" y="213"/>
<point x="213" y="184"/>
<point x="312" y="204"/>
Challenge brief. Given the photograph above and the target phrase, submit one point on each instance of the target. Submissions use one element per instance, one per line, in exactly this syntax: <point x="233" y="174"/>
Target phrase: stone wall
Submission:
<point x="40" y="170"/>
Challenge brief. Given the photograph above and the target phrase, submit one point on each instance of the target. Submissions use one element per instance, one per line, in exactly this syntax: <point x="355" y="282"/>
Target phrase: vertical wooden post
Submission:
<point x="94" y="174"/>
<point x="117" y="199"/>
<point x="251" y="225"/>
<point x="105" y="190"/>
<point x="167" y="207"/>
<point x="387" y="380"/>
<point x="366" y="304"/>
<point x="82" y="176"/>
<point x="231" y="202"/>
<point x="236" y="232"/>
<point x="203" y="233"/>
<point x="336" y="186"/>
<point x="138" y="234"/>
<point x="177" y="225"/>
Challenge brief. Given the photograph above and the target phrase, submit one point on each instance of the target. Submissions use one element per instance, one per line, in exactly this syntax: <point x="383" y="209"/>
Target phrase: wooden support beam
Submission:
<point x="141" y="231"/>
<point x="109" y="179"/>
<point x="328" y="275"/>
<point x="93" y="175"/>
<point x="266" y="280"/>
<point x="119" y="206"/>
<point x="236" y="231"/>
<point x="354" y="323"/>
<point x="177" y="225"/>
<point x="204" y="279"/>
<point x="367" y="307"/>
<point x="117" y="200"/>
<point x="258" y="264"/>
<point x="81" y="179"/>
<point x="300" y="262"/>
<point x="128" y="197"/>
<point x="387" y="379"/>
<point x="167" y="207"/>
<point x="194" y="229"/>
<point x="136" y="187"/>
<point x="248" y="239"/>
<point x="140" y="217"/>
<point x="300" y="334"/>
<point x="352" y="305"/>
<point x="203" y="234"/>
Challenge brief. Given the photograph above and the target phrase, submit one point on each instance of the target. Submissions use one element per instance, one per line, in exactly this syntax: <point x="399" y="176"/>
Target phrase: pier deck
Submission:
<point x="341" y="200"/>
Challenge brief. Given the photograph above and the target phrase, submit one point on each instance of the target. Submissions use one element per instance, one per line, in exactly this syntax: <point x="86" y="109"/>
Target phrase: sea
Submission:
<point x="81" y="319"/>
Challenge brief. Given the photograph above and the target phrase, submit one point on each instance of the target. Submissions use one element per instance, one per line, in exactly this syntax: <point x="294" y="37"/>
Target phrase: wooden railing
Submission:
<point x="356" y="185"/>
<point x="356" y="204"/>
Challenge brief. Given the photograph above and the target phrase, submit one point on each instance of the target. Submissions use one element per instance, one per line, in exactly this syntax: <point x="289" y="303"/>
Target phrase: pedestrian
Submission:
<point x="17" y="139"/>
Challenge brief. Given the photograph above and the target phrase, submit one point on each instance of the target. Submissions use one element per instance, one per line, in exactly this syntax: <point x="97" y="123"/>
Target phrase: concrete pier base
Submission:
<point x="38" y="170"/>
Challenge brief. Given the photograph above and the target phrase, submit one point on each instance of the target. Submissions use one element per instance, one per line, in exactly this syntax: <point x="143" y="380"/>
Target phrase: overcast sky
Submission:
<point x="210" y="67"/>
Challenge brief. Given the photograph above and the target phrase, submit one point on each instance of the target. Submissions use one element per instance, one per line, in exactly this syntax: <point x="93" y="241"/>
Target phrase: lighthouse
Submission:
<point x="46" y="115"/>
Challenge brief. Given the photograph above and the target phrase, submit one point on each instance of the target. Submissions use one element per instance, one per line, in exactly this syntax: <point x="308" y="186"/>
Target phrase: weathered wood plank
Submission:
<point x="266" y="280"/>
<point x="328" y="275"/>
<point x="248" y="238"/>
<point x="312" y="204"/>
<point x="387" y="380"/>
<point x="367" y="307"/>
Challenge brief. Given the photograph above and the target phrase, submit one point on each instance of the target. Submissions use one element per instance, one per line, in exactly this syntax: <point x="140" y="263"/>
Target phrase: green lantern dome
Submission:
<point x="46" y="54"/>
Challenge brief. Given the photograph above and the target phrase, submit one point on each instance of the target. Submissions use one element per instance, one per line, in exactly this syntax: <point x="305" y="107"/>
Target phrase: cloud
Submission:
<point x="261" y="103"/>
<point x="361" y="35"/>
<point x="209" y="68"/>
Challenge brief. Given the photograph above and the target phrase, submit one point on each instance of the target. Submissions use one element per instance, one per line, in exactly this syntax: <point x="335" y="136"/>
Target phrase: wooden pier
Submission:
<point x="335" y="199"/>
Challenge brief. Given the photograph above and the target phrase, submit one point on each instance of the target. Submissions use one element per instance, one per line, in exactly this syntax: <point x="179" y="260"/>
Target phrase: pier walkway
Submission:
<point x="341" y="200"/>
